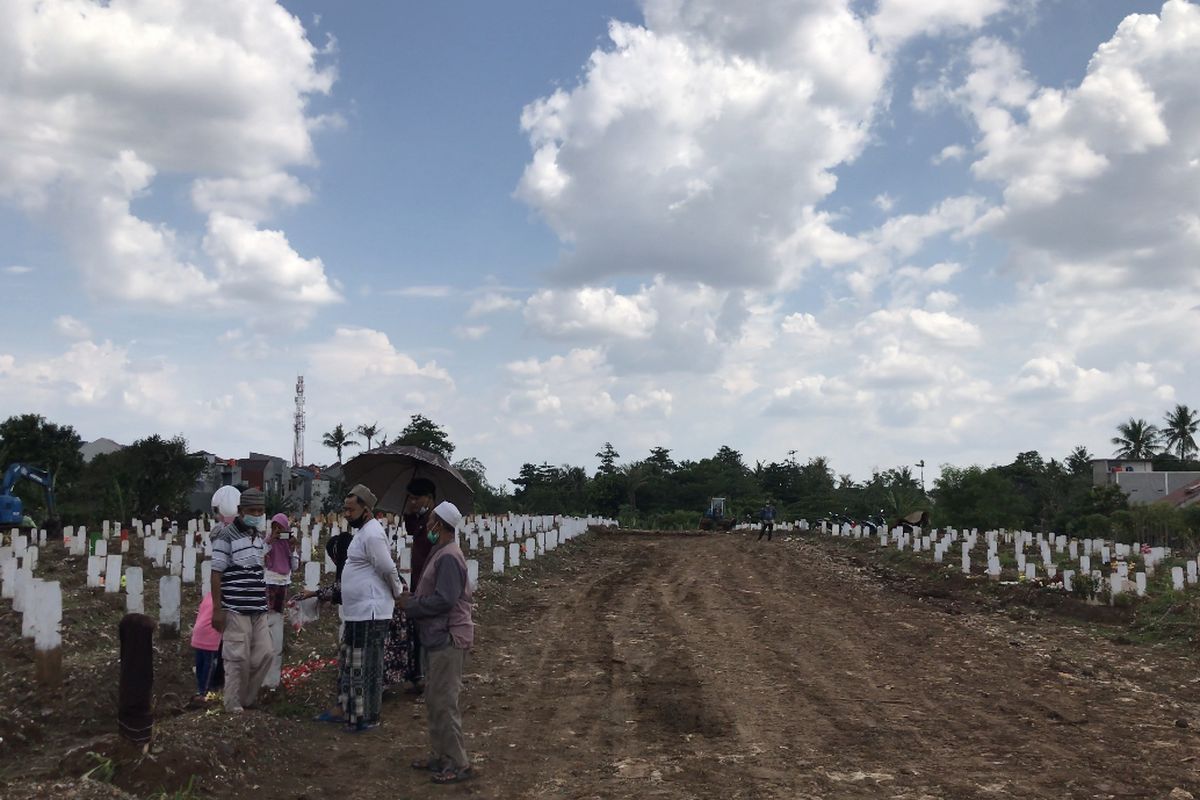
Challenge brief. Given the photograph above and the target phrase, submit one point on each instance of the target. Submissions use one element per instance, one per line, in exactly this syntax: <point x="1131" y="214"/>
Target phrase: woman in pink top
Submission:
<point x="206" y="641"/>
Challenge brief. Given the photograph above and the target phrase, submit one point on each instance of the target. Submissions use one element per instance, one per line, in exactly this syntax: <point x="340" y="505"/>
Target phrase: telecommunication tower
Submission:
<point x="298" y="446"/>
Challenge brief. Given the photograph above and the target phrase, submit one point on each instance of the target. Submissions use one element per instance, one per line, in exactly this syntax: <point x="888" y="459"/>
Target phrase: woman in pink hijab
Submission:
<point x="281" y="557"/>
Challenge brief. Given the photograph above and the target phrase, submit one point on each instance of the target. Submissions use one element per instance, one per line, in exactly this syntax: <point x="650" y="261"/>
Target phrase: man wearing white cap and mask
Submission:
<point x="240" y="601"/>
<point x="441" y="607"/>
<point x="225" y="503"/>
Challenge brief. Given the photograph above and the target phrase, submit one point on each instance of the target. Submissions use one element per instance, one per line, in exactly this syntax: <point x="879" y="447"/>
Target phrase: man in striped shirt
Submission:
<point x="239" y="593"/>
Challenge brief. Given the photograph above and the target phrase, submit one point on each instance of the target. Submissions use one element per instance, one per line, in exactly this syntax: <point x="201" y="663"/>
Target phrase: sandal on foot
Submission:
<point x="452" y="775"/>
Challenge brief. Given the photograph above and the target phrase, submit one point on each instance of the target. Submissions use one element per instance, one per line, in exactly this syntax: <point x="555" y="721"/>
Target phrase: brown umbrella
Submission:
<point x="387" y="471"/>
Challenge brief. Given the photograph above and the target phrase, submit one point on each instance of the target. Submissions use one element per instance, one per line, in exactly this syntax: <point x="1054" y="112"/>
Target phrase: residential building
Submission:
<point x="1138" y="480"/>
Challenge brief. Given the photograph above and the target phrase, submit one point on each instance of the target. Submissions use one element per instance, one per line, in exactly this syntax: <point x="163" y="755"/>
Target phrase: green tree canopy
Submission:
<point x="1079" y="462"/>
<point x="488" y="498"/>
<point x="369" y="432"/>
<point x="1136" y="439"/>
<point x="151" y="477"/>
<point x="1179" y="431"/>
<point x="30" y="439"/>
<point x="608" y="456"/>
<point x="426" y="434"/>
<point x="660" y="459"/>
<point x="339" y="439"/>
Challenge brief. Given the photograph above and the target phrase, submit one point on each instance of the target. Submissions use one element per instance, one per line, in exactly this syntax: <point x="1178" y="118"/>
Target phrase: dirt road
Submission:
<point x="679" y="667"/>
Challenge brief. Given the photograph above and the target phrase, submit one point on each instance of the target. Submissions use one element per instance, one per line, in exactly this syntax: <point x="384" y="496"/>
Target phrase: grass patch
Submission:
<point x="104" y="770"/>
<point x="185" y="792"/>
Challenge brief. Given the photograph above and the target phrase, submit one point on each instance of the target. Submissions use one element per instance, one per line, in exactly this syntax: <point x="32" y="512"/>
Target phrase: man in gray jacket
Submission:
<point x="441" y="607"/>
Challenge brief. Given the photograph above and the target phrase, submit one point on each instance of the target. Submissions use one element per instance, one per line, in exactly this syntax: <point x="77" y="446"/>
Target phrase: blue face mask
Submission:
<point x="259" y="522"/>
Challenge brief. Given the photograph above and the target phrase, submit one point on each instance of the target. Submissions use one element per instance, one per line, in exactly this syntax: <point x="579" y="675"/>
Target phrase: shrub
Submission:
<point x="1093" y="526"/>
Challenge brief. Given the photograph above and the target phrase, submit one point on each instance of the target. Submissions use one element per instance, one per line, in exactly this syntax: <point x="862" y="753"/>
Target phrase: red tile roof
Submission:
<point x="1184" y="496"/>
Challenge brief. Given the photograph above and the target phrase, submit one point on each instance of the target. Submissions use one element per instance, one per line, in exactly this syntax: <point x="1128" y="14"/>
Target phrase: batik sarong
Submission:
<point x="360" y="670"/>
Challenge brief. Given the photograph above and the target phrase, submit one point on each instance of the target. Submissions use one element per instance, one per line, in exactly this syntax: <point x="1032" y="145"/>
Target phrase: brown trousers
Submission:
<point x="246" y="650"/>
<point x="443" y="683"/>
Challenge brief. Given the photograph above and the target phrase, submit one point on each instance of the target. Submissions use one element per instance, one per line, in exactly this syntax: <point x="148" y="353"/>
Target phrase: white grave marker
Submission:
<point x="135" y="602"/>
<point x="169" y="590"/>
<point x="112" y="574"/>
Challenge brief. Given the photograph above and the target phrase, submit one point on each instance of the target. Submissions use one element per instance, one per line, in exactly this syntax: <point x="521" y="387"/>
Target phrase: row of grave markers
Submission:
<point x="511" y="540"/>
<point x="38" y="601"/>
<point x="1088" y="554"/>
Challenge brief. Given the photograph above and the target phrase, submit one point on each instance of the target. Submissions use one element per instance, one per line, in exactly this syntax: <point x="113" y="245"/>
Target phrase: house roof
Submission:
<point x="1184" y="496"/>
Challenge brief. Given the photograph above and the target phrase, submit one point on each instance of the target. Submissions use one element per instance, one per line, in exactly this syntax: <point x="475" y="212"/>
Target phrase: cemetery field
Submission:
<point x="659" y="666"/>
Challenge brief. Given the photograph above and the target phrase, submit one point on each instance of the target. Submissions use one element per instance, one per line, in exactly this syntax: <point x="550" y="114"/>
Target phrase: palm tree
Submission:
<point x="338" y="438"/>
<point x="1179" y="431"/>
<point x="1137" y="439"/>
<point x="369" y="432"/>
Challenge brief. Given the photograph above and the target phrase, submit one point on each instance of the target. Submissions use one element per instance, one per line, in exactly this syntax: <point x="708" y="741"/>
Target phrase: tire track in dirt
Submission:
<point x="573" y="693"/>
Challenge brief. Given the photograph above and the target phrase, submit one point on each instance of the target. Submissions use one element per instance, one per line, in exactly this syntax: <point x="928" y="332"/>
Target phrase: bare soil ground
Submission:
<point x="659" y="666"/>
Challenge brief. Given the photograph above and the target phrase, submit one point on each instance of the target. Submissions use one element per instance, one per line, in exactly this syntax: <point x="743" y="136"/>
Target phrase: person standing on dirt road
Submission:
<point x="441" y="606"/>
<point x="370" y="586"/>
<point x="767" y="521"/>
<point x="240" y="601"/>
<point x="282" y="556"/>
<point x="402" y="656"/>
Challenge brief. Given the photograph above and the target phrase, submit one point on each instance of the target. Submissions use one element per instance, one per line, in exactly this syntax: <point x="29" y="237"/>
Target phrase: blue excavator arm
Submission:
<point x="11" y="505"/>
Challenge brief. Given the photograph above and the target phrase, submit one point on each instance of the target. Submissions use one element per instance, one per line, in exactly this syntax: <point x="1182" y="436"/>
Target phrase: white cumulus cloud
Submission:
<point x="492" y="302"/>
<point x="100" y="99"/>
<point x="592" y="311"/>
<point x="698" y="145"/>
<point x="1101" y="181"/>
<point x="896" y="21"/>
<point x="71" y="327"/>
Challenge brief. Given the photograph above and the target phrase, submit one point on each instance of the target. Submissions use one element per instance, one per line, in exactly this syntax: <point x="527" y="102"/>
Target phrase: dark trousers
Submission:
<point x="206" y="664"/>
<point x="767" y="529"/>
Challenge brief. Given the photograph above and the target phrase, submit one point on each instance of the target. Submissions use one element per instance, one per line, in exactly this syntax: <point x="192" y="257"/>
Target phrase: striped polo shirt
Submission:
<point x="238" y="555"/>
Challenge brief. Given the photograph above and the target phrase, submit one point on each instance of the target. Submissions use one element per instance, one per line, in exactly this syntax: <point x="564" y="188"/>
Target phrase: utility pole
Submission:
<point x="921" y="464"/>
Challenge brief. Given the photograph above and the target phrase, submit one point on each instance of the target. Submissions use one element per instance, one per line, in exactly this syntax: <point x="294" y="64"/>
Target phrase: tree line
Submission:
<point x="150" y="477"/>
<point x="156" y="474"/>
<point x="419" y="432"/>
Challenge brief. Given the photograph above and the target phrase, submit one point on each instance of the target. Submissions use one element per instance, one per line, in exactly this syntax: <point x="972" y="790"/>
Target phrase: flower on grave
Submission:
<point x="290" y="677"/>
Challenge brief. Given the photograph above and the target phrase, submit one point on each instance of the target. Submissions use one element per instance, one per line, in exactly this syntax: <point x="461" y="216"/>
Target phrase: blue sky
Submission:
<point x="879" y="232"/>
